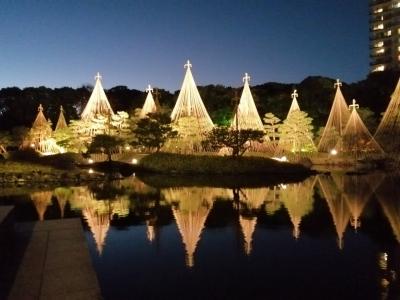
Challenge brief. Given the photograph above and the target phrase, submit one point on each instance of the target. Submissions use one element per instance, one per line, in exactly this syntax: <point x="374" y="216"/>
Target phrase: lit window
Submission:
<point x="397" y="5"/>
<point x="378" y="27"/>
<point x="382" y="50"/>
<point x="389" y="33"/>
<point x="378" y="10"/>
<point x="378" y="44"/>
<point x="379" y="68"/>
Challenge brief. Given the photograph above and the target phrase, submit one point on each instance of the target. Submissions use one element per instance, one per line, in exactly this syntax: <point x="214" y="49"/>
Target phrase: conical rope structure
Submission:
<point x="389" y="127"/>
<point x="39" y="132"/>
<point x="298" y="198"/>
<point x="338" y="207"/>
<point x="295" y="104"/>
<point x="63" y="195"/>
<point x="247" y="115"/>
<point x="357" y="192"/>
<point x="356" y="138"/>
<point x="336" y="123"/>
<point x="41" y="200"/>
<point x="61" y="122"/>
<point x="388" y="194"/>
<point x="190" y="207"/>
<point x="248" y="226"/>
<point x="251" y="199"/>
<point x="189" y="104"/>
<point x="149" y="105"/>
<point x="98" y="103"/>
<point x="296" y="131"/>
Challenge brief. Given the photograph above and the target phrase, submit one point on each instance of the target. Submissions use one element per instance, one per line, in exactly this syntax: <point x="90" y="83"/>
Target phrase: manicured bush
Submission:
<point x="204" y="164"/>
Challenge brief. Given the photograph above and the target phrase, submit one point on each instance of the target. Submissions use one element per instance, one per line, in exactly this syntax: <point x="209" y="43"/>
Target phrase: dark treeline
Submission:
<point x="18" y="107"/>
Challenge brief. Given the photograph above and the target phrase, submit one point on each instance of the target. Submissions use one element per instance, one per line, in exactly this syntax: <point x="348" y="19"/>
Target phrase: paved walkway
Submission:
<point x="56" y="263"/>
<point x="4" y="211"/>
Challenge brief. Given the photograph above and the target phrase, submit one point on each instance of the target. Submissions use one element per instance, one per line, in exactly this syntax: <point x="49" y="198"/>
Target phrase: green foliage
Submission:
<point x="153" y="131"/>
<point x="296" y="133"/>
<point x="105" y="143"/>
<point x="368" y="118"/>
<point x="120" y="125"/>
<point x="238" y="140"/>
<point x="59" y="161"/>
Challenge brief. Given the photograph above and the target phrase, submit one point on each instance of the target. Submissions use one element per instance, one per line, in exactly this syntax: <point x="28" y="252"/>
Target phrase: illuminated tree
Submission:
<point x="271" y="126"/>
<point x="336" y="123"/>
<point x="246" y="115"/>
<point x="153" y="131"/>
<point x="237" y="140"/>
<point x="296" y="133"/>
<point x="105" y="143"/>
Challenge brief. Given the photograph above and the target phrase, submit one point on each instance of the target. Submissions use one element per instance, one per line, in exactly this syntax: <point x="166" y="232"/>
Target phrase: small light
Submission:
<point x="283" y="186"/>
<point x="127" y="148"/>
<point x="134" y="161"/>
<point x="32" y="145"/>
<point x="90" y="161"/>
<point x="284" y="158"/>
<point x="333" y="152"/>
<point x="91" y="171"/>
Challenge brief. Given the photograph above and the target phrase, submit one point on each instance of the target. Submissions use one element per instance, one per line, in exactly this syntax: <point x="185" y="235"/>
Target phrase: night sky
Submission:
<point x="64" y="43"/>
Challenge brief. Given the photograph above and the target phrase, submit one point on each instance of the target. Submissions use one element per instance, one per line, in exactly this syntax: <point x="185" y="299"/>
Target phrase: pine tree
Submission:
<point x="296" y="133"/>
<point x="271" y="126"/>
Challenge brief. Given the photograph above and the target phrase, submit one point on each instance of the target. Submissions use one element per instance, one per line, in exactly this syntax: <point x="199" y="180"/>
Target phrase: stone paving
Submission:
<point x="56" y="263"/>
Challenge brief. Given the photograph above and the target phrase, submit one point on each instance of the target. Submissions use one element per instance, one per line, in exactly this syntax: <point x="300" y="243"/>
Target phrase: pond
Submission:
<point x="328" y="237"/>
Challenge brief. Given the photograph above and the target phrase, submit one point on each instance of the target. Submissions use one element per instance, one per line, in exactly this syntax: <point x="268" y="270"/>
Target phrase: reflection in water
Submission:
<point x="331" y="189"/>
<point x="298" y="200"/>
<point x="388" y="194"/>
<point x="347" y="198"/>
<point x="190" y="207"/>
<point x="41" y="200"/>
<point x="250" y="201"/>
<point x="63" y="195"/>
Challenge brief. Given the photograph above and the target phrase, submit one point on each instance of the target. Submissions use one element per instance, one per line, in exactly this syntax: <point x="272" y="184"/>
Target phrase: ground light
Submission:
<point x="134" y="161"/>
<point x="333" y="152"/>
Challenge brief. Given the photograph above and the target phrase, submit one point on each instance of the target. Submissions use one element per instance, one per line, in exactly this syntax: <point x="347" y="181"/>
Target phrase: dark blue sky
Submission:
<point x="65" y="42"/>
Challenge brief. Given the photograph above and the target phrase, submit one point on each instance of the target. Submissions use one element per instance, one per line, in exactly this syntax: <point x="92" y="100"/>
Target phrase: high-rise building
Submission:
<point x="384" y="28"/>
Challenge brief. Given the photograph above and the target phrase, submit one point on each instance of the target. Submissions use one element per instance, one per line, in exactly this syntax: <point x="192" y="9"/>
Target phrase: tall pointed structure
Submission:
<point x="337" y="120"/>
<point x="149" y="105"/>
<point x="250" y="201"/>
<point x="389" y="127"/>
<point x="388" y="194"/>
<point x="190" y="207"/>
<point x="98" y="103"/>
<point x="333" y="193"/>
<point x="62" y="194"/>
<point x="356" y="138"/>
<point x="357" y="192"/>
<point x="39" y="136"/>
<point x="295" y="105"/>
<point x="298" y="200"/>
<point x="247" y="115"/>
<point x="41" y="200"/>
<point x="61" y="122"/>
<point x="99" y="224"/>
<point x="189" y="103"/>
